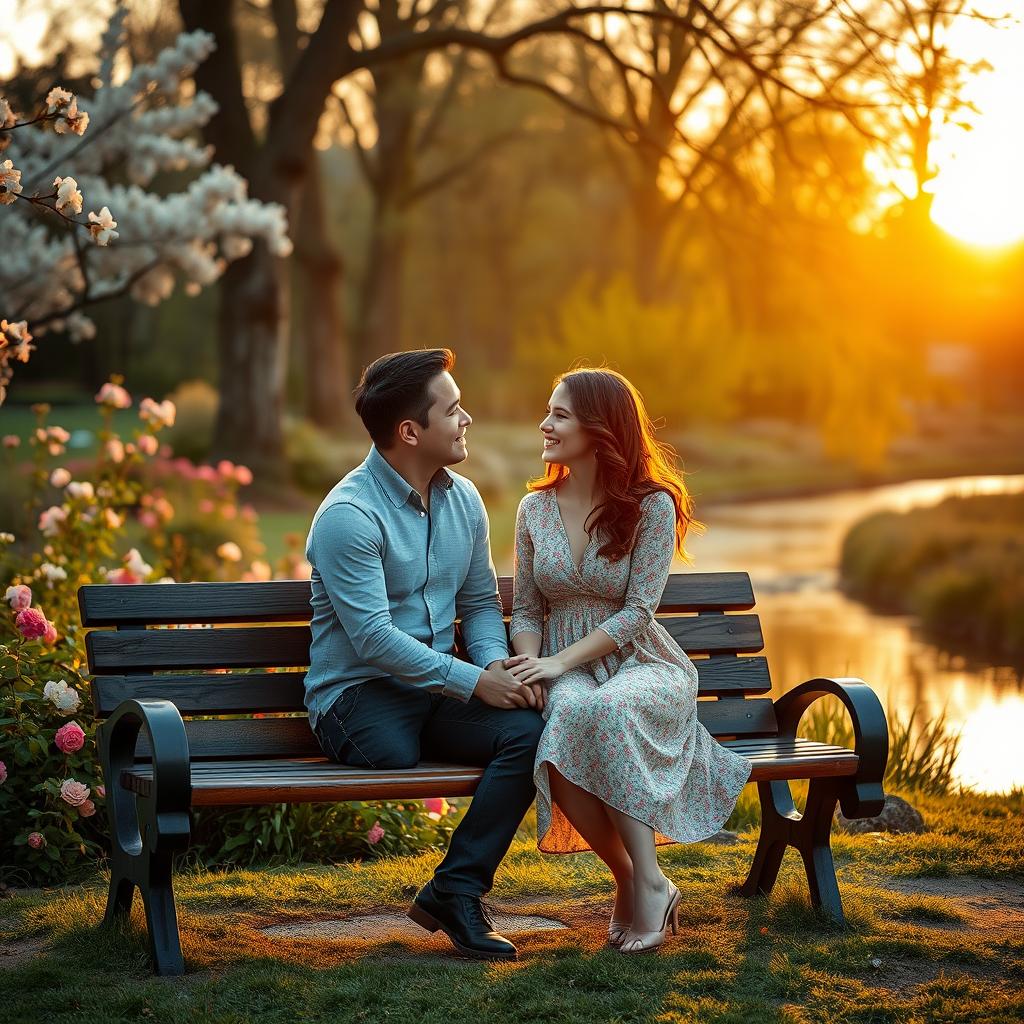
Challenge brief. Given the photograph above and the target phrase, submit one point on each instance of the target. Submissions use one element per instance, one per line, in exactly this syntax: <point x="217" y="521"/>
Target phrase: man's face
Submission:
<point x="444" y="439"/>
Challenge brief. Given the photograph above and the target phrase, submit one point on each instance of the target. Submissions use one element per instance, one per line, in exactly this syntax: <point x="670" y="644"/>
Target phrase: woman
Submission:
<point x="623" y="763"/>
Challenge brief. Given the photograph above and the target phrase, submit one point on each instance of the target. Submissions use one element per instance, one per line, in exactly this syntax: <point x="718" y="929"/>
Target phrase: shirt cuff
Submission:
<point x="461" y="679"/>
<point x="494" y="653"/>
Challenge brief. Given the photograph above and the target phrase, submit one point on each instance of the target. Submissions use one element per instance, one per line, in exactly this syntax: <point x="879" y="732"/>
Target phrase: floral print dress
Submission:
<point x="623" y="727"/>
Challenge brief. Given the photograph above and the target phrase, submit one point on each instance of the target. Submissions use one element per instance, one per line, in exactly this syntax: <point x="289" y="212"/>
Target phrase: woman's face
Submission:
<point x="565" y="441"/>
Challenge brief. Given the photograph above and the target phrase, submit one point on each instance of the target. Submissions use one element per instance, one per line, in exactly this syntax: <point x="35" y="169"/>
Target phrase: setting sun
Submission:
<point x="978" y="193"/>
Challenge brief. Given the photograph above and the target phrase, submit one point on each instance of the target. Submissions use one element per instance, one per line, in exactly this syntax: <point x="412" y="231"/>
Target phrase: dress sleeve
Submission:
<point x="527" y="600"/>
<point x="650" y="563"/>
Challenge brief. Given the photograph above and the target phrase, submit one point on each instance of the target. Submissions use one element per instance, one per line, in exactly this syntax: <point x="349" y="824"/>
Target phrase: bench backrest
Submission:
<point x="240" y="649"/>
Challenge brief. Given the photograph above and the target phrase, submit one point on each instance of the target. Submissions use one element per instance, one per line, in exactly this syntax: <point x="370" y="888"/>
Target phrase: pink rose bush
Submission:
<point x="186" y="523"/>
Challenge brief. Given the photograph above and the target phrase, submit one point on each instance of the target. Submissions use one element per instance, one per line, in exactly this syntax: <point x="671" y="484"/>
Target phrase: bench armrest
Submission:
<point x="862" y="796"/>
<point x="165" y="812"/>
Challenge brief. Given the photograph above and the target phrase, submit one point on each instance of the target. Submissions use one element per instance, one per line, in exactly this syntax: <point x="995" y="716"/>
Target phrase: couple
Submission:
<point x="595" y="710"/>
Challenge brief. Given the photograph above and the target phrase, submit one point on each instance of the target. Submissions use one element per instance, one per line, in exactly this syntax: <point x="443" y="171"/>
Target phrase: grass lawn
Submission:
<point x="936" y="933"/>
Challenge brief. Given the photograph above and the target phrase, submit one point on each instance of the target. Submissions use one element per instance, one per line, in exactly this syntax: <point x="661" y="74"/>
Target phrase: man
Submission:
<point x="399" y="550"/>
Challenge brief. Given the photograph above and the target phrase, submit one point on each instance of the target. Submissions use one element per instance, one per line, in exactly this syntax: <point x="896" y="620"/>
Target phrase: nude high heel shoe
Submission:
<point x="650" y="941"/>
<point x="617" y="931"/>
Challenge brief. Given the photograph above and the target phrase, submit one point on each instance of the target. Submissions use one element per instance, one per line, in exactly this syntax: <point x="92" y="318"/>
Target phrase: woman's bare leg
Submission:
<point x="590" y="817"/>
<point x="650" y="886"/>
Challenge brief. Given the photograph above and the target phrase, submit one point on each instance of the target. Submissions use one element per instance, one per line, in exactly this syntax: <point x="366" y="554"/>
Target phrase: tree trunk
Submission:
<point x="327" y="372"/>
<point x="253" y="358"/>
<point x="379" y="327"/>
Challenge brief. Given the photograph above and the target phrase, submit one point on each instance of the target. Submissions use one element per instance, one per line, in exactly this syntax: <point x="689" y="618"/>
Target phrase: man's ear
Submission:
<point x="408" y="432"/>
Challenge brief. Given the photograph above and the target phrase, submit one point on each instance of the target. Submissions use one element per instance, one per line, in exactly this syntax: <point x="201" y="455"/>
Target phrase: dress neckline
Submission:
<point x="565" y="536"/>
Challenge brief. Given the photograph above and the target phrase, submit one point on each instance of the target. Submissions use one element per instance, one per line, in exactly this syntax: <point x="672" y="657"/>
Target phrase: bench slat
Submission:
<point x="213" y="694"/>
<point x="288" y="600"/>
<point x="685" y="592"/>
<point x="292" y="737"/>
<point x="288" y="646"/>
<point x="254" y="782"/>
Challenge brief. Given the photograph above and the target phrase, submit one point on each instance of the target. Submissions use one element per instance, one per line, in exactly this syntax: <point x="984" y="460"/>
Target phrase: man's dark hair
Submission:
<point x="394" y="388"/>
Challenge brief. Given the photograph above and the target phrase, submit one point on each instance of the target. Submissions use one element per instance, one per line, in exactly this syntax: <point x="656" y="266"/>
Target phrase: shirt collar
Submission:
<point x="394" y="485"/>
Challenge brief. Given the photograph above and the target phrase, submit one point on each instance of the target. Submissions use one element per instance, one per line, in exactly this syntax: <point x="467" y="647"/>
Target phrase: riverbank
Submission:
<point x="958" y="567"/>
<point x="936" y="934"/>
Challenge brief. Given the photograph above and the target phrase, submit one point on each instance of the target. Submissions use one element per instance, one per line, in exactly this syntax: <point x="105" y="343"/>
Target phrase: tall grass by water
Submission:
<point x="959" y="566"/>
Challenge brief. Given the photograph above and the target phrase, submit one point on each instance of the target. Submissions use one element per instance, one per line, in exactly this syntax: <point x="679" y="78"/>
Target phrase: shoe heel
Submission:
<point x="423" y="919"/>
<point x="675" y="919"/>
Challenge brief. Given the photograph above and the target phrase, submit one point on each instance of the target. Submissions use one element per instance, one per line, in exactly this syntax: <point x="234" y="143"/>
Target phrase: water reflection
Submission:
<point x="791" y="550"/>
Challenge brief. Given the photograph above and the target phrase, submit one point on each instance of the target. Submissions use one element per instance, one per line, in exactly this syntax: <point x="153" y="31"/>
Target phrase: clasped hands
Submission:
<point x="517" y="682"/>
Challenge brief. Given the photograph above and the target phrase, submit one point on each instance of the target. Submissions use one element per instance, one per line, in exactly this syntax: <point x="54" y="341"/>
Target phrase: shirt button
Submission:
<point x="422" y="514"/>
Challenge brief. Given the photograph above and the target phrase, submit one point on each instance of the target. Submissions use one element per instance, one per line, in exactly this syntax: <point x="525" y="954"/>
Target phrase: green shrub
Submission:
<point x="959" y="566"/>
<point x="192" y="434"/>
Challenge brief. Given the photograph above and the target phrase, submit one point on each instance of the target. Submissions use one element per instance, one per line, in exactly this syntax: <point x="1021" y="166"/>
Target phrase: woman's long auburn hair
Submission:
<point x="631" y="461"/>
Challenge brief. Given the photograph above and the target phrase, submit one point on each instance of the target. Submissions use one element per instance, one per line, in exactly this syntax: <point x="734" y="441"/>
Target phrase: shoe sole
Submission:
<point x="417" y="914"/>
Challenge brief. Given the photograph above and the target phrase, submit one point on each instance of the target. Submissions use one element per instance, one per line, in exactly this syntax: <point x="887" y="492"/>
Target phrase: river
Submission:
<point x="791" y="550"/>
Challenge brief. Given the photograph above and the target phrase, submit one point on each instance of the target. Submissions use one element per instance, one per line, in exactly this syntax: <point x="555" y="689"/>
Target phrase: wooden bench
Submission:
<point x="158" y="762"/>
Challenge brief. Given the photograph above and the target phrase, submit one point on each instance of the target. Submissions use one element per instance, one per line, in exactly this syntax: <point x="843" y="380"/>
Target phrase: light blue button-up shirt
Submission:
<point x="389" y="580"/>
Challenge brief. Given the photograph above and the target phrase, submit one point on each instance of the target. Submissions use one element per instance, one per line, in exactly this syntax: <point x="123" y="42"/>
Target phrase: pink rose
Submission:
<point x="31" y="623"/>
<point x="123" y="576"/>
<point x="3" y="773"/>
<point x="243" y="475"/>
<point x="20" y="597"/>
<point x="148" y="444"/>
<point x="226" y="468"/>
<point x="69" y="738"/>
<point x="36" y="840"/>
<point x="74" y="793"/>
<point x="87" y="809"/>
<point x="436" y="807"/>
<point x="50" y="636"/>
<point x="101" y="791"/>
<point x="375" y="835"/>
<point x="11" y="440"/>
<point x="113" y="395"/>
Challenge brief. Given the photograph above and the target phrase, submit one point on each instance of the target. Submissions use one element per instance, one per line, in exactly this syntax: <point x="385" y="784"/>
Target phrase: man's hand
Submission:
<point x="538" y="688"/>
<point x="499" y="688"/>
<point x="533" y="671"/>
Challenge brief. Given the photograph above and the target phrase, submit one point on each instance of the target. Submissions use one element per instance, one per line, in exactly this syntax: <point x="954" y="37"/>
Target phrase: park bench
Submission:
<point x="164" y="751"/>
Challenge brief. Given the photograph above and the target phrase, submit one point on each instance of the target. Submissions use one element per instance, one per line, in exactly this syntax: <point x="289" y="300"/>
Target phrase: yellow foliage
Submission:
<point x="676" y="355"/>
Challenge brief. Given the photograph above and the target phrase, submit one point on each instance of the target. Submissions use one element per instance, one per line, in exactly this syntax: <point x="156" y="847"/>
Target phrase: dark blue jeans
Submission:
<point x="385" y="723"/>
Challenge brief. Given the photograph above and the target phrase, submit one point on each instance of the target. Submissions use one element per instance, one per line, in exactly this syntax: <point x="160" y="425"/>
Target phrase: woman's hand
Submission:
<point x="538" y="670"/>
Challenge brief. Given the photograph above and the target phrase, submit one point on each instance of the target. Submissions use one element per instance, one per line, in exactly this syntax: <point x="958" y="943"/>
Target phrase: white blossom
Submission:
<point x="68" y="194"/>
<point x="57" y="99"/>
<point x="159" y="414"/>
<point x="135" y="563"/>
<point x="142" y="125"/>
<point x="53" y="573"/>
<point x="10" y="183"/>
<point x="80" y="489"/>
<point x="63" y="697"/>
<point x="101" y="227"/>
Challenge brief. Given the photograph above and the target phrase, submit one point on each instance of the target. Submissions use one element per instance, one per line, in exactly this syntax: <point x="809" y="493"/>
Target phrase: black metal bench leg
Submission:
<point x="162" y="918"/>
<point x="810" y="833"/>
<point x="814" y="836"/>
<point x="777" y="817"/>
<point x="119" y="898"/>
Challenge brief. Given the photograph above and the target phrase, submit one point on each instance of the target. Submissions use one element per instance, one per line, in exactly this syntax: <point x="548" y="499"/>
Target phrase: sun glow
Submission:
<point x="979" y="189"/>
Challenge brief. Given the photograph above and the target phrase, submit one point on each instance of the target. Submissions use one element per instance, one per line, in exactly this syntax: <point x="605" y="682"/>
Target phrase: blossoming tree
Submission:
<point x="69" y="157"/>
